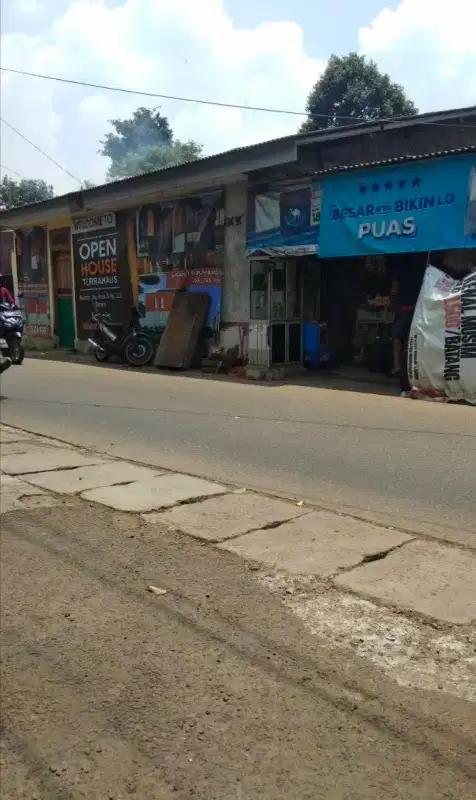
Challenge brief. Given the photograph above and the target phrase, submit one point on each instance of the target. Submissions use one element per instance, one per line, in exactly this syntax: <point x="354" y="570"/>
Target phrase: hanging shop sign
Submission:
<point x="283" y="221"/>
<point x="442" y="345"/>
<point x="101" y="270"/>
<point x="410" y="207"/>
<point x="32" y="270"/>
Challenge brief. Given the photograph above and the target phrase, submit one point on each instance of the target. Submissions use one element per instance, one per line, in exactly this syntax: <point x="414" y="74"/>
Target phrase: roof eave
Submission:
<point x="326" y="134"/>
<point x="212" y="171"/>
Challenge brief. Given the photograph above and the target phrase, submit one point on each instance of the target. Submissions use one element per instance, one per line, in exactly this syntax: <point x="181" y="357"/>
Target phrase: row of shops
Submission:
<point x="331" y="263"/>
<point x="305" y="269"/>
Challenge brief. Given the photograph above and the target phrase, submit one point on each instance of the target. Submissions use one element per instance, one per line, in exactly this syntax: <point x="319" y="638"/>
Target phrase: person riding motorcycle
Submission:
<point x="5" y="294"/>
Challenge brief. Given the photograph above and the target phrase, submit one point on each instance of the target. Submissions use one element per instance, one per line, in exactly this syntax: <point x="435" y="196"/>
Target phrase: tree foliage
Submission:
<point x="151" y="157"/>
<point x="352" y="87"/>
<point x="22" y="192"/>
<point x="143" y="143"/>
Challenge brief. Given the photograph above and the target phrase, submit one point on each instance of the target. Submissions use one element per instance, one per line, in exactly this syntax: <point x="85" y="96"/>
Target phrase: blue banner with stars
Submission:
<point x="410" y="207"/>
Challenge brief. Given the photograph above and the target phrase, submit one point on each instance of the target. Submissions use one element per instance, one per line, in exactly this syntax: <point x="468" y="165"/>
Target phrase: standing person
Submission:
<point x="409" y="284"/>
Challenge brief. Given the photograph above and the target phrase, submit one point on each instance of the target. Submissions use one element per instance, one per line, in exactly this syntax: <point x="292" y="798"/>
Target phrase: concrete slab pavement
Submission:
<point x="70" y="481"/>
<point x="320" y="543"/>
<point x="431" y="579"/>
<point x="155" y="493"/>
<point x="21" y="447"/>
<point x="16" y="495"/>
<point x="426" y="577"/>
<point x="8" y="434"/>
<point x="45" y="459"/>
<point x="227" y="516"/>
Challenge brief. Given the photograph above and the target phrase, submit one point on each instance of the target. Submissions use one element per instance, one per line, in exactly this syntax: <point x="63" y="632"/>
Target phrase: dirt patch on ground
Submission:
<point x="439" y="658"/>
<point x="213" y="690"/>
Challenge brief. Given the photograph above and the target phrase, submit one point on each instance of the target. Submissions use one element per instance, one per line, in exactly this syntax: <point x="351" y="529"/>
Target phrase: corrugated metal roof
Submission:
<point x="319" y="135"/>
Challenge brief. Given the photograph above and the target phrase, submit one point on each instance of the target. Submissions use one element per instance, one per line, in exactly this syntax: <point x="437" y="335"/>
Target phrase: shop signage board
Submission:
<point x="284" y="219"/>
<point x="156" y="290"/>
<point x="101" y="270"/>
<point x="32" y="269"/>
<point x="402" y="208"/>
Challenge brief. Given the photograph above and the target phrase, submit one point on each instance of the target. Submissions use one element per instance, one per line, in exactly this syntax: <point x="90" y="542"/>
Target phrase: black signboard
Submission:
<point x="101" y="270"/>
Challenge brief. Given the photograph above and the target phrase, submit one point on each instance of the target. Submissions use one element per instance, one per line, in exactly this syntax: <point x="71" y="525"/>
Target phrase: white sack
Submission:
<point x="442" y="346"/>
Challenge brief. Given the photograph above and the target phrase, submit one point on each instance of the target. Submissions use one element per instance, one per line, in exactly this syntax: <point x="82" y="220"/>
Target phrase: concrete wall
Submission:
<point x="236" y="279"/>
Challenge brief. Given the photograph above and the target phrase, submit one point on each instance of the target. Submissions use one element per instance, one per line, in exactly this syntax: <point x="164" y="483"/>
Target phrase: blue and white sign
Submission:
<point x="410" y="207"/>
<point x="284" y="220"/>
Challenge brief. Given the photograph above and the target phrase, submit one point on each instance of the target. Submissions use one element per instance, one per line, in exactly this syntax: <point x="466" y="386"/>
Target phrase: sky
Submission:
<point x="249" y="52"/>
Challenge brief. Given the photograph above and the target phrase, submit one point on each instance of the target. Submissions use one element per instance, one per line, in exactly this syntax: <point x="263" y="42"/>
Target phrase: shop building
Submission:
<point x="380" y="227"/>
<point x="252" y="228"/>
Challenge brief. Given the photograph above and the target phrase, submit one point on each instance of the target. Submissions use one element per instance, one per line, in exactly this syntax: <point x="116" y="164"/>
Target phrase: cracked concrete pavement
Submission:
<point x="380" y="616"/>
<point x="383" y="564"/>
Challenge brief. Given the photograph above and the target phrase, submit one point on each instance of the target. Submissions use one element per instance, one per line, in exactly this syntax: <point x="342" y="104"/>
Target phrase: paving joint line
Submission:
<point x="326" y="584"/>
<point x="234" y="488"/>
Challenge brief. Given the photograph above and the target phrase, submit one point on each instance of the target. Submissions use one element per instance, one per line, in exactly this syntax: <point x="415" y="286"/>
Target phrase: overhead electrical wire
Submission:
<point x="153" y="94"/>
<point x="9" y="171"/>
<point x="158" y="95"/>
<point x="198" y="101"/>
<point x="21" y="135"/>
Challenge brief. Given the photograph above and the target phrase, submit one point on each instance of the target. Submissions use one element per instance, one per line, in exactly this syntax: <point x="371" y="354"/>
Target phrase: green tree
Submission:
<point x="352" y="87"/>
<point x="143" y="143"/>
<point x="152" y="157"/>
<point x="20" y="193"/>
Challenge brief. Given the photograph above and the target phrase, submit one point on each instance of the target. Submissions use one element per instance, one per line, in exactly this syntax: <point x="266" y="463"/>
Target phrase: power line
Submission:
<point x="215" y="102"/>
<point x="40" y="150"/>
<point x="156" y="94"/>
<point x="12" y="172"/>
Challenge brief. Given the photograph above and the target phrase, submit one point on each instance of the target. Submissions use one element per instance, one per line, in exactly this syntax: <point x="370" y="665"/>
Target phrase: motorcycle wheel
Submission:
<point x="139" y="351"/>
<point x="17" y="353"/>
<point x="101" y="355"/>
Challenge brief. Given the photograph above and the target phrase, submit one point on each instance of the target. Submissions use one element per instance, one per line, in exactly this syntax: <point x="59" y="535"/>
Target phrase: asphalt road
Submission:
<point x="211" y="691"/>
<point x="408" y="463"/>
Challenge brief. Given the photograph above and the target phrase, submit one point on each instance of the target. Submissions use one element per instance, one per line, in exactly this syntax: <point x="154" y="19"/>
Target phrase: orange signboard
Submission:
<point x="159" y="301"/>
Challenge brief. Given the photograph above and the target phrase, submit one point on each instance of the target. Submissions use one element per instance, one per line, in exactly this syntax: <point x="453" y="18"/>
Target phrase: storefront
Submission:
<point x="335" y="262"/>
<point x="281" y="245"/>
<point x="179" y="246"/>
<point x="379" y="229"/>
<point x="33" y="283"/>
<point x="62" y="278"/>
<point x="101" y="277"/>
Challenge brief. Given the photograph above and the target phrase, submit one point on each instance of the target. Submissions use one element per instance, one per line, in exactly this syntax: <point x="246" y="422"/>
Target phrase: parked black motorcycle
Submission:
<point x="128" y="341"/>
<point x="12" y="323"/>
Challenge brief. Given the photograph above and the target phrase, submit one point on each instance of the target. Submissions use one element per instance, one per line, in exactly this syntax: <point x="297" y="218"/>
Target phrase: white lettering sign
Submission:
<point x="384" y="229"/>
<point x="107" y="220"/>
<point x="98" y="248"/>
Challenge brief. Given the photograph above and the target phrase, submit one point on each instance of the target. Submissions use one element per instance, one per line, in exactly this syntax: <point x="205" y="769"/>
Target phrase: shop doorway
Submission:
<point x="276" y="300"/>
<point x="60" y="246"/>
<point x="285" y="306"/>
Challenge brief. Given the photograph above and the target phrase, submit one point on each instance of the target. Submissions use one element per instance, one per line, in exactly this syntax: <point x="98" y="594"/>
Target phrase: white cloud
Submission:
<point x="177" y="47"/>
<point x="193" y="49"/>
<point x="430" y="47"/>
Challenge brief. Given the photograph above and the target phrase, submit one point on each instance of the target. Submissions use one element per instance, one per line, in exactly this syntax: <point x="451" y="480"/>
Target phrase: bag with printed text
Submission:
<point x="442" y="345"/>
